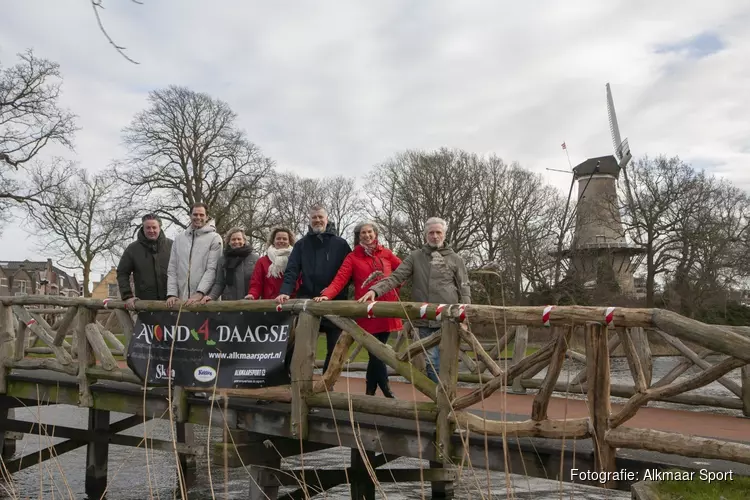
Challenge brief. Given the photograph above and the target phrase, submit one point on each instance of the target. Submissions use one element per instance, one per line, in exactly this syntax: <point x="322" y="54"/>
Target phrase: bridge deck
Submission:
<point x="532" y="456"/>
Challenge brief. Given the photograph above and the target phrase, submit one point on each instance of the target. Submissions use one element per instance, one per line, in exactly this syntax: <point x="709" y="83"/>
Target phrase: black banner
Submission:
<point x="231" y="350"/>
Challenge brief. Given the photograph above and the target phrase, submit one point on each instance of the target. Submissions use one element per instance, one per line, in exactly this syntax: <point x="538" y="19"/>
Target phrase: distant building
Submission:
<point x="18" y="278"/>
<point x="106" y="287"/>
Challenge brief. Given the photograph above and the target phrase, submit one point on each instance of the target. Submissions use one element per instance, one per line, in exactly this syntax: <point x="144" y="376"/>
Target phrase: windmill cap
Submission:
<point x="601" y="165"/>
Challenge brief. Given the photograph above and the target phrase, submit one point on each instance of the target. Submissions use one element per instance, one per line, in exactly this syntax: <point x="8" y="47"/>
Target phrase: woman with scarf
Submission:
<point x="366" y="265"/>
<point x="269" y="272"/>
<point x="234" y="268"/>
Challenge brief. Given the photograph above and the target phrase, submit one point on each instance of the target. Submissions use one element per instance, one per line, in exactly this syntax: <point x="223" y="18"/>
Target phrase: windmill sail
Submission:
<point x="613" y="127"/>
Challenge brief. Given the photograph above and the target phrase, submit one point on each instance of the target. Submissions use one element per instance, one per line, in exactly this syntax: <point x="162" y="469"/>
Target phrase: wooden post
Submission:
<point x="446" y="393"/>
<point x="185" y="435"/>
<point x="642" y="347"/>
<point x="745" y="376"/>
<point x="303" y="363"/>
<point x="96" y="455"/>
<point x="519" y="352"/>
<point x="85" y="357"/>
<point x="7" y="341"/>
<point x="362" y="485"/>
<point x="597" y="364"/>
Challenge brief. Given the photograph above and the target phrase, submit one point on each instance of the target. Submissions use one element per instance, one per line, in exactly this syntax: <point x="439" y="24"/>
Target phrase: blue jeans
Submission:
<point x="433" y="353"/>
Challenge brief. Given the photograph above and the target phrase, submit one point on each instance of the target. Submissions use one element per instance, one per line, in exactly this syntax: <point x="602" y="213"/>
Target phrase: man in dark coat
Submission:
<point x="317" y="257"/>
<point x="147" y="259"/>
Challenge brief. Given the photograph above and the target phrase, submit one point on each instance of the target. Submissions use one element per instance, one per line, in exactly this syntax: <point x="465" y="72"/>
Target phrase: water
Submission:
<point x="134" y="476"/>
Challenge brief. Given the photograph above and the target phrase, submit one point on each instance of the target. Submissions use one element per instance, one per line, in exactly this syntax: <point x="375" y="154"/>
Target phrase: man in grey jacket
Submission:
<point x="193" y="260"/>
<point x="438" y="276"/>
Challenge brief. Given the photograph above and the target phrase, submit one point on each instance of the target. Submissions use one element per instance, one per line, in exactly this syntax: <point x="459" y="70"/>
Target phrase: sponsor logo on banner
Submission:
<point x="204" y="374"/>
<point x="228" y="349"/>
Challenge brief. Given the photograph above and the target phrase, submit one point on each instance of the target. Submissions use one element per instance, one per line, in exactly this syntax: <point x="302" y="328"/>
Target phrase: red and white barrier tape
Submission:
<point x="545" y="315"/>
<point x="423" y="311"/>
<point x="278" y="307"/>
<point x="609" y="316"/>
<point x="461" y="312"/>
<point x="439" y="312"/>
<point x="370" y="314"/>
<point x="105" y="302"/>
<point x="32" y="321"/>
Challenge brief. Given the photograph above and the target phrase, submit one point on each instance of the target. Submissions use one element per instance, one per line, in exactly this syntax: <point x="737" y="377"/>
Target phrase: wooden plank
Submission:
<point x="19" y="350"/>
<point x="643" y="350"/>
<point x="477" y="314"/>
<point x="303" y="359"/>
<point x="597" y="354"/>
<point x="396" y="408"/>
<point x="745" y="375"/>
<point x="111" y="337"/>
<point x="678" y="444"/>
<point x="33" y="326"/>
<point x="126" y="324"/>
<point x="85" y="357"/>
<point x="716" y="338"/>
<point x="97" y="454"/>
<point x="99" y="347"/>
<point x="634" y="361"/>
<point x="572" y="428"/>
<point x="448" y="377"/>
<point x="580" y="377"/>
<point x="541" y="400"/>
<point x="519" y="352"/>
<point x="336" y="363"/>
<point x="7" y="341"/>
<point x="482" y="355"/>
<point x="419" y="347"/>
<point x="385" y="353"/>
<point x="697" y="360"/>
<point x="485" y="391"/>
<point x="46" y="326"/>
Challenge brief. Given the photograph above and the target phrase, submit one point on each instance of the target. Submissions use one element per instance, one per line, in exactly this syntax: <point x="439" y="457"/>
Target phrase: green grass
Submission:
<point x="738" y="488"/>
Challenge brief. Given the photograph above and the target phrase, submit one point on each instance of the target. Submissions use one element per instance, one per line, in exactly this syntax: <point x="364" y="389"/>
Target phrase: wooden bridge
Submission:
<point x="458" y="429"/>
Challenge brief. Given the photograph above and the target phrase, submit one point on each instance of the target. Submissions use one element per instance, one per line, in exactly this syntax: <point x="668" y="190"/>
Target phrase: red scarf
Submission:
<point x="371" y="248"/>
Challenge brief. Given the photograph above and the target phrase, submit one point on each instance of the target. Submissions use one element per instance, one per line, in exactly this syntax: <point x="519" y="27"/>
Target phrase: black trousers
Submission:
<point x="377" y="372"/>
<point x="332" y="332"/>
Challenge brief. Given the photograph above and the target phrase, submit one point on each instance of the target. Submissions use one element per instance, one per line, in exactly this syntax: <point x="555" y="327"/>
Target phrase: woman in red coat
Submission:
<point x="366" y="265"/>
<point x="268" y="274"/>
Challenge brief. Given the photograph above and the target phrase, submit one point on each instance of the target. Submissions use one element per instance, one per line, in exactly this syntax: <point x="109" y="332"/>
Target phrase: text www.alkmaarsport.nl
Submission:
<point x="260" y="356"/>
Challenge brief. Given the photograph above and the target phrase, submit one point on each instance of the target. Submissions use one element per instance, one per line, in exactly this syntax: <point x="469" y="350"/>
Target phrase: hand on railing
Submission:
<point x="320" y="299"/>
<point x="368" y="297"/>
<point x="206" y="299"/>
<point x="249" y="297"/>
<point x="171" y="301"/>
<point x="282" y="298"/>
<point x="130" y="303"/>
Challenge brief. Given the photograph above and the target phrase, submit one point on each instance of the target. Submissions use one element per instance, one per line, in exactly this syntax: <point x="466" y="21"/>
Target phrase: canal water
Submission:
<point x="136" y="475"/>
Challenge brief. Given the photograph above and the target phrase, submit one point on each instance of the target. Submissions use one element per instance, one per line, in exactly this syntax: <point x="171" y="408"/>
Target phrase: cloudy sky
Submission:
<point x="334" y="87"/>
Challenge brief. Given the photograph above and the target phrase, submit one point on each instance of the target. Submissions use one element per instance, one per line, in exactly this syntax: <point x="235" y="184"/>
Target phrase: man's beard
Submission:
<point x="318" y="229"/>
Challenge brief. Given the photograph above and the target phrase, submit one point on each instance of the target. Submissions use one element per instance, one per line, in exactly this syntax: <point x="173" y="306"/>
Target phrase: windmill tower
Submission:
<point x="599" y="255"/>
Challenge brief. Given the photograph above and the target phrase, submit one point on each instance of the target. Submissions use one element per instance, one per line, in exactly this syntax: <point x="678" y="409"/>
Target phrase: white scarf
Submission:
<point x="279" y="257"/>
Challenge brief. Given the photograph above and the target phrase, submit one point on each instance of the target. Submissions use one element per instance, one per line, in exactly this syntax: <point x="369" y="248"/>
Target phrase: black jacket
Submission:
<point x="148" y="262"/>
<point x="317" y="258"/>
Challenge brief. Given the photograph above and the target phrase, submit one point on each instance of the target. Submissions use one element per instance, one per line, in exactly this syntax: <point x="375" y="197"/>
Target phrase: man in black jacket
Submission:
<point x="316" y="257"/>
<point x="147" y="259"/>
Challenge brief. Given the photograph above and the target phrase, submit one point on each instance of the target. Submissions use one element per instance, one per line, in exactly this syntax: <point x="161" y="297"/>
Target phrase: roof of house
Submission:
<point x="30" y="265"/>
<point x="598" y="165"/>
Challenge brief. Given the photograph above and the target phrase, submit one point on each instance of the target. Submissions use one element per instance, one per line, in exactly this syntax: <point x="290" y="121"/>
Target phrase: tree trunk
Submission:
<point x="86" y="277"/>
<point x="650" y="276"/>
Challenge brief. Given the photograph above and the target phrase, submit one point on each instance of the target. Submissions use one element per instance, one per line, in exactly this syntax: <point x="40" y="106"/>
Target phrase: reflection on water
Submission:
<point x="134" y="475"/>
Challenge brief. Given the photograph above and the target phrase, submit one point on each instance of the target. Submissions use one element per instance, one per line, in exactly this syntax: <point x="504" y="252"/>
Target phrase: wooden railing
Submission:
<point x="89" y="357"/>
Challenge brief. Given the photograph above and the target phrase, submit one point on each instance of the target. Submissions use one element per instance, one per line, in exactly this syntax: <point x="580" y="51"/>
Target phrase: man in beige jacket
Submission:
<point x="438" y="276"/>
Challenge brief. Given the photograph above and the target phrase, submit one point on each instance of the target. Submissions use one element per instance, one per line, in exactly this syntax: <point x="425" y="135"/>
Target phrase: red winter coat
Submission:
<point x="358" y="266"/>
<point x="263" y="286"/>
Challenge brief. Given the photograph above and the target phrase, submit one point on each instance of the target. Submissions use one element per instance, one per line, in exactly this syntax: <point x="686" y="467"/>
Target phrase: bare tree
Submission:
<point x="292" y="197"/>
<point x="30" y="114"/>
<point x="425" y="184"/>
<point x="659" y="188"/>
<point x="344" y="202"/>
<point x="83" y="219"/>
<point x="185" y="149"/>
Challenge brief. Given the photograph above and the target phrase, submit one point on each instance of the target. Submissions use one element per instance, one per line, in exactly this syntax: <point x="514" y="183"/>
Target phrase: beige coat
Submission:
<point x="437" y="279"/>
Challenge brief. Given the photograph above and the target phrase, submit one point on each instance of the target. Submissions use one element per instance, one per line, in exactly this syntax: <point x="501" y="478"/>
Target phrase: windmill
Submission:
<point x="599" y="251"/>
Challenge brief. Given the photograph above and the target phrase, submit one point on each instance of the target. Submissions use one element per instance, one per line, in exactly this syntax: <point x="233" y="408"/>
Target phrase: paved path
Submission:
<point x="662" y="419"/>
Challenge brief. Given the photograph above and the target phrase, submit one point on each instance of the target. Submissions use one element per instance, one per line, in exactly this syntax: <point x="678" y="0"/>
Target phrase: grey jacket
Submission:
<point x="241" y="284"/>
<point x="195" y="252"/>
<point x="435" y="280"/>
